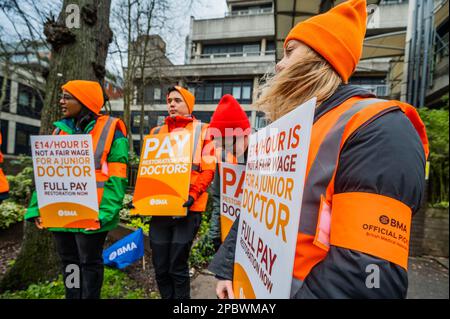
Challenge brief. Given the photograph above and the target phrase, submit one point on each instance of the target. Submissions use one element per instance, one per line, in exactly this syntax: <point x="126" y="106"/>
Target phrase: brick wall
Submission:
<point x="417" y="233"/>
<point x="435" y="241"/>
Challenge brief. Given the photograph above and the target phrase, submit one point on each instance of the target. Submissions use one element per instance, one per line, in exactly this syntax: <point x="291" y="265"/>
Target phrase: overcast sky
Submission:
<point x="178" y="20"/>
<point x="201" y="9"/>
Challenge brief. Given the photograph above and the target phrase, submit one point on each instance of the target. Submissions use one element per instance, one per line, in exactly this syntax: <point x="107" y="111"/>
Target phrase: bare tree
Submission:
<point x="78" y="52"/>
<point x="136" y="24"/>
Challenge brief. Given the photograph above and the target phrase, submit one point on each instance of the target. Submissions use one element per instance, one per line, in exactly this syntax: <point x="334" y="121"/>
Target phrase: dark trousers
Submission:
<point x="82" y="263"/>
<point x="171" y="240"/>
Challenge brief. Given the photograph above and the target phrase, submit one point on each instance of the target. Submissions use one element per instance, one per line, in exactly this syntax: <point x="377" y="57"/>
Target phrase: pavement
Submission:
<point x="428" y="279"/>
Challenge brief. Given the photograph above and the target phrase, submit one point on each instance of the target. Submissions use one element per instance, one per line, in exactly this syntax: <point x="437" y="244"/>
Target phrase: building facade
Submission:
<point x="231" y="54"/>
<point x="20" y="112"/>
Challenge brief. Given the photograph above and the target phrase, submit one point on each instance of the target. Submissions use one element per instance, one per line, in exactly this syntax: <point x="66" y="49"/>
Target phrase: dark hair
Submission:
<point x="85" y="117"/>
<point x="171" y="89"/>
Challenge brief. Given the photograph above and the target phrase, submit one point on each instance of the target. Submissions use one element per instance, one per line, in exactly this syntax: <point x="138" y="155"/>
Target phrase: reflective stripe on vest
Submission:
<point x="315" y="221"/>
<point x="100" y="146"/>
<point x="198" y="126"/>
<point x="322" y="169"/>
<point x="102" y="143"/>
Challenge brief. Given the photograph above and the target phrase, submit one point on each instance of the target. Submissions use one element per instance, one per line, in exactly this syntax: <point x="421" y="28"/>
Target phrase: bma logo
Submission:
<point x="67" y="213"/>
<point x="158" y="202"/>
<point x="384" y="219"/>
<point x="122" y="250"/>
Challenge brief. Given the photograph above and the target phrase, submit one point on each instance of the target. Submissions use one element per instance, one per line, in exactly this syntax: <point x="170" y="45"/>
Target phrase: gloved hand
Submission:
<point x="189" y="202"/>
<point x="130" y="205"/>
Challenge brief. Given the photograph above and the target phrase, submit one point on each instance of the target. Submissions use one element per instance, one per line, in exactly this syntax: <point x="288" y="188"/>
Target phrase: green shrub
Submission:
<point x="440" y="205"/>
<point x="10" y="213"/>
<point x="21" y="186"/>
<point x="125" y="211"/>
<point x="437" y="126"/>
<point x="203" y="250"/>
<point x="133" y="221"/>
<point x="116" y="285"/>
<point x="139" y="222"/>
<point x="133" y="159"/>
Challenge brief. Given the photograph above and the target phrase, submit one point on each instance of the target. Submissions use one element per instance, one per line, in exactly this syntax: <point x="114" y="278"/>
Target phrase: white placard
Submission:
<point x="271" y="201"/>
<point x="64" y="173"/>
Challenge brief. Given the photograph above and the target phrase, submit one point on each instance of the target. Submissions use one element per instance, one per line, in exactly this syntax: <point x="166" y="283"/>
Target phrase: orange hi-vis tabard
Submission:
<point x="200" y="161"/>
<point x="102" y="138"/>
<point x="4" y="186"/>
<point x="370" y="223"/>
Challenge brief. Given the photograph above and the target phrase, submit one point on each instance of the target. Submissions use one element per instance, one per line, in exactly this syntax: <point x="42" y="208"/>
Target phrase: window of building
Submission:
<point x="384" y="2"/>
<point x="246" y="92"/>
<point x="136" y="122"/>
<point x="217" y="92"/>
<point x="6" y="101"/>
<point x="236" y="91"/>
<point x="23" y="133"/>
<point x="261" y="120"/>
<point x="374" y="84"/>
<point x="160" y="120"/>
<point x="4" y="132"/>
<point x="29" y="102"/>
<point x="157" y="94"/>
<point x="251" y="9"/>
<point x="210" y="92"/>
<point x="251" y="49"/>
<point x="24" y="99"/>
<point x="233" y="49"/>
<point x="205" y="117"/>
<point x="270" y="47"/>
<point x="117" y="114"/>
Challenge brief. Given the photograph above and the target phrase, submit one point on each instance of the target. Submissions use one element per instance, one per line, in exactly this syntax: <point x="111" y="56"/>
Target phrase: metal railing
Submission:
<point x="378" y="90"/>
<point x="234" y="54"/>
<point x="248" y="12"/>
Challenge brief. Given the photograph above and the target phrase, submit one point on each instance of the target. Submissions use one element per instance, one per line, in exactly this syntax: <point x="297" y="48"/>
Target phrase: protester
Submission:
<point x="4" y="186"/>
<point x="171" y="237"/>
<point x="81" y="102"/>
<point x="230" y="129"/>
<point x="366" y="163"/>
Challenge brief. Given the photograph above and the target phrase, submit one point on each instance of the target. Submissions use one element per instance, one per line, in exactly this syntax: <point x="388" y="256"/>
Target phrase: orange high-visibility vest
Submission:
<point x="102" y="138"/>
<point x="200" y="161"/>
<point x="333" y="219"/>
<point x="4" y="186"/>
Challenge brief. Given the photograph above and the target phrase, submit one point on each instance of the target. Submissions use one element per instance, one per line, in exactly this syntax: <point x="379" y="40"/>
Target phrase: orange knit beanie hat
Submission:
<point x="337" y="35"/>
<point x="188" y="97"/>
<point x="89" y="93"/>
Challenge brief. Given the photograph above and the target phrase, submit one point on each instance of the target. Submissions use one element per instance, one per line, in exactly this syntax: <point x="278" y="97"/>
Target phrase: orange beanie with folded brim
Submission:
<point x="337" y="35"/>
<point x="89" y="93"/>
<point x="188" y="97"/>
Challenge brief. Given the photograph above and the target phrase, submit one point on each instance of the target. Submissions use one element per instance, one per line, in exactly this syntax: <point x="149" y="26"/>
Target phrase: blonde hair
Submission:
<point x="310" y="76"/>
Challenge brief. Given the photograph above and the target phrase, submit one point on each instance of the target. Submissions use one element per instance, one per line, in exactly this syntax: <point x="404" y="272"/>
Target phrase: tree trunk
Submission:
<point x="78" y="52"/>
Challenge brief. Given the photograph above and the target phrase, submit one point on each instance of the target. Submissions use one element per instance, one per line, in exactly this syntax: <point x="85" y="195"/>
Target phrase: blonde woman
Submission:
<point x="365" y="171"/>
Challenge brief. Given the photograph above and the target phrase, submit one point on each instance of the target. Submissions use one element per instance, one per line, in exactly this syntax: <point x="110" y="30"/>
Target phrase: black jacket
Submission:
<point x="385" y="157"/>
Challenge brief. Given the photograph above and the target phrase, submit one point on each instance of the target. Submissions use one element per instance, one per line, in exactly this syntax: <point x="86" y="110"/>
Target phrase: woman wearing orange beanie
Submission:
<point x="365" y="170"/>
<point x="80" y="103"/>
